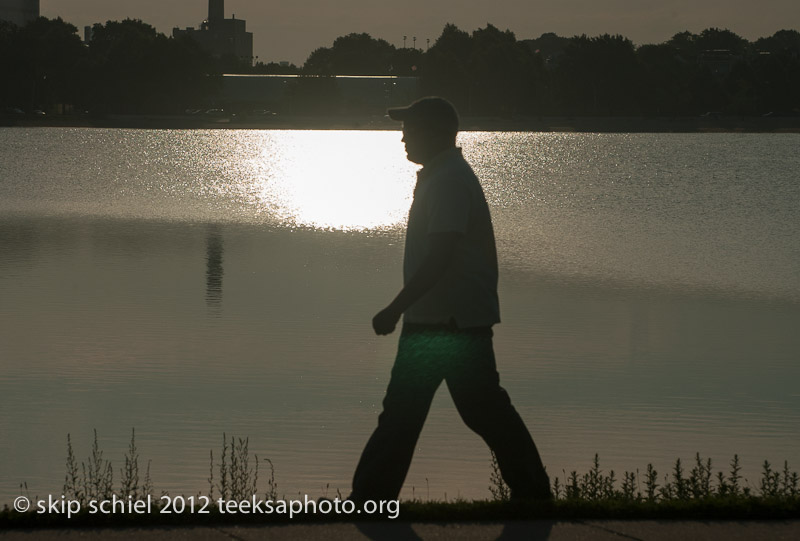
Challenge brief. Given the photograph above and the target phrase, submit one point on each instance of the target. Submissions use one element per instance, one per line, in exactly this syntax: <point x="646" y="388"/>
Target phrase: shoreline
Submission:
<point x="559" y="124"/>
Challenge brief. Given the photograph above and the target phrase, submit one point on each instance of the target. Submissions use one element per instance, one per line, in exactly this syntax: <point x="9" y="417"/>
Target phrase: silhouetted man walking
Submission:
<point x="449" y="303"/>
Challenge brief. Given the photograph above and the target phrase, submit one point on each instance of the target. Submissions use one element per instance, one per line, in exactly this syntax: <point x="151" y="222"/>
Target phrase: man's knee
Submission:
<point x="404" y="411"/>
<point x="478" y="394"/>
<point x="487" y="406"/>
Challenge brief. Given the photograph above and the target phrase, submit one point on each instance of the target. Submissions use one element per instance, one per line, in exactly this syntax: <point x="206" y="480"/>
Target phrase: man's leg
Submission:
<point x="485" y="407"/>
<point x="387" y="456"/>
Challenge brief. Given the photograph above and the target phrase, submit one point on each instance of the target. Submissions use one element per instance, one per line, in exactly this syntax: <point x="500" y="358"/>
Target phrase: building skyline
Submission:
<point x="19" y="12"/>
<point x="219" y="36"/>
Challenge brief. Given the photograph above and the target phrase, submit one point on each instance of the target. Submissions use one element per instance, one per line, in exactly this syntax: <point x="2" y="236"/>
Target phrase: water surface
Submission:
<point x="190" y="283"/>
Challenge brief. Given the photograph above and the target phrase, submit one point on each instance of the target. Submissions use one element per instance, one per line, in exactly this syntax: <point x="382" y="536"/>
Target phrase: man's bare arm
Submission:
<point x="442" y="247"/>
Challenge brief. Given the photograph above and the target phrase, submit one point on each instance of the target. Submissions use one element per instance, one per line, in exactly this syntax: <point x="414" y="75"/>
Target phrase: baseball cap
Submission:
<point x="432" y="110"/>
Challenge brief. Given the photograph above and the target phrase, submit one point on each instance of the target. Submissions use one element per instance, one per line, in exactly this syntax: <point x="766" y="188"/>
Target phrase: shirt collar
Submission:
<point x="438" y="161"/>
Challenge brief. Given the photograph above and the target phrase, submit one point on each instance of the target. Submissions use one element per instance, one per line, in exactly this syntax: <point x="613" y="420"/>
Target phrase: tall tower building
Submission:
<point x="220" y="36"/>
<point x="20" y="12"/>
<point x="216" y="10"/>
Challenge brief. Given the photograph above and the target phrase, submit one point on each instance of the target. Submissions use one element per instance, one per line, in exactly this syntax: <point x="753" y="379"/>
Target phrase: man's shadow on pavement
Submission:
<point x="512" y="531"/>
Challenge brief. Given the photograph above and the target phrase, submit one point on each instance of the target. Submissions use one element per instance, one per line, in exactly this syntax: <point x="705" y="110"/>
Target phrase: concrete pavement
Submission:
<point x="541" y="530"/>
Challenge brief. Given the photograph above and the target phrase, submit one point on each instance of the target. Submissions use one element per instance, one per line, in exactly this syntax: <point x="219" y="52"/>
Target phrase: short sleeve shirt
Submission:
<point x="448" y="198"/>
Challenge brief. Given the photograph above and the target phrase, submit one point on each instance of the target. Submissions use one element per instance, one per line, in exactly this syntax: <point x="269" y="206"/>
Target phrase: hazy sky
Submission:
<point x="291" y="30"/>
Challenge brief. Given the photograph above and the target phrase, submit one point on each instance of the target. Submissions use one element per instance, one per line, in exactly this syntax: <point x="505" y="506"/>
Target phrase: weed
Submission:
<point x="98" y="475"/>
<point x="238" y="480"/>
<point x="700" y="478"/>
<point x="73" y="483"/>
<point x="557" y="488"/>
<point x="94" y="480"/>
<point x="130" y="473"/>
<point x="497" y="486"/>
<point x="790" y="481"/>
<point x="770" y="481"/>
<point x="651" y="483"/>
<point x="700" y="485"/>
<point x="272" y="490"/>
<point x="236" y="476"/>
<point x="629" y="484"/>
<point x="735" y="476"/>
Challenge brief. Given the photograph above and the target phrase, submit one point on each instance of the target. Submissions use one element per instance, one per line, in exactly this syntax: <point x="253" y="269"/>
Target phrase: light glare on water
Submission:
<point x="357" y="181"/>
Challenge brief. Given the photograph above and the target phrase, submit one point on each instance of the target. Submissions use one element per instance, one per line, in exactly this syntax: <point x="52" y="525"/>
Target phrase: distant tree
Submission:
<point x="136" y="69"/>
<point x="504" y="73"/>
<point x="707" y="92"/>
<point x="320" y="62"/>
<point x="776" y="74"/>
<point x="229" y="63"/>
<point x="10" y="91"/>
<point x="406" y="62"/>
<point x="446" y="67"/>
<point x="781" y="42"/>
<point x="742" y="90"/>
<point x="665" y="80"/>
<point x="353" y="54"/>
<point x="716" y="39"/>
<point x="274" y="68"/>
<point x="122" y="55"/>
<point x="186" y="73"/>
<point x="42" y="59"/>
<point x="549" y="46"/>
<point x="486" y="73"/>
<point x="600" y="75"/>
<point x="684" y="44"/>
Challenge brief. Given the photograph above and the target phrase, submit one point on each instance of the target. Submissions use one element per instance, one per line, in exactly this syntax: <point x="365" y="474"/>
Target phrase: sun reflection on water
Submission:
<point x="350" y="181"/>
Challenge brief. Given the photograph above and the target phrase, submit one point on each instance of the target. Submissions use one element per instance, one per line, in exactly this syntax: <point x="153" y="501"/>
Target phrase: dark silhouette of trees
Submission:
<point x="42" y="62"/>
<point x="446" y="68"/>
<point x="274" y="68"/>
<point x="129" y="67"/>
<point x="549" y="46"/>
<point x="135" y="69"/>
<point x="783" y="42"/>
<point x="716" y="70"/>
<point x="487" y="73"/>
<point x="406" y="62"/>
<point x="675" y="82"/>
<point x="505" y="73"/>
<point x="361" y="54"/>
<point x="665" y="80"/>
<point x="600" y="76"/>
<point x="776" y="72"/>
<point x="715" y="39"/>
<point x="684" y="44"/>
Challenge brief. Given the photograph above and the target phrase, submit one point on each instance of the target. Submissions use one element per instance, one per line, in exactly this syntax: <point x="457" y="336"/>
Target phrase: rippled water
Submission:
<point x="190" y="283"/>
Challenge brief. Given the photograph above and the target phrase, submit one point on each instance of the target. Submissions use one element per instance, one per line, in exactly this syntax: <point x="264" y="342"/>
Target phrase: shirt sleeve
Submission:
<point x="448" y="206"/>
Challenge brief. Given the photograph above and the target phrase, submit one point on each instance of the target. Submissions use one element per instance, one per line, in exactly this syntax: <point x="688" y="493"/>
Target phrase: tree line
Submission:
<point x="490" y="72"/>
<point x="129" y="67"/>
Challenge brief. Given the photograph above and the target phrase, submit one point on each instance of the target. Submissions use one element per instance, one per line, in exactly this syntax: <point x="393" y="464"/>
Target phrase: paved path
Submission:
<point x="404" y="531"/>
